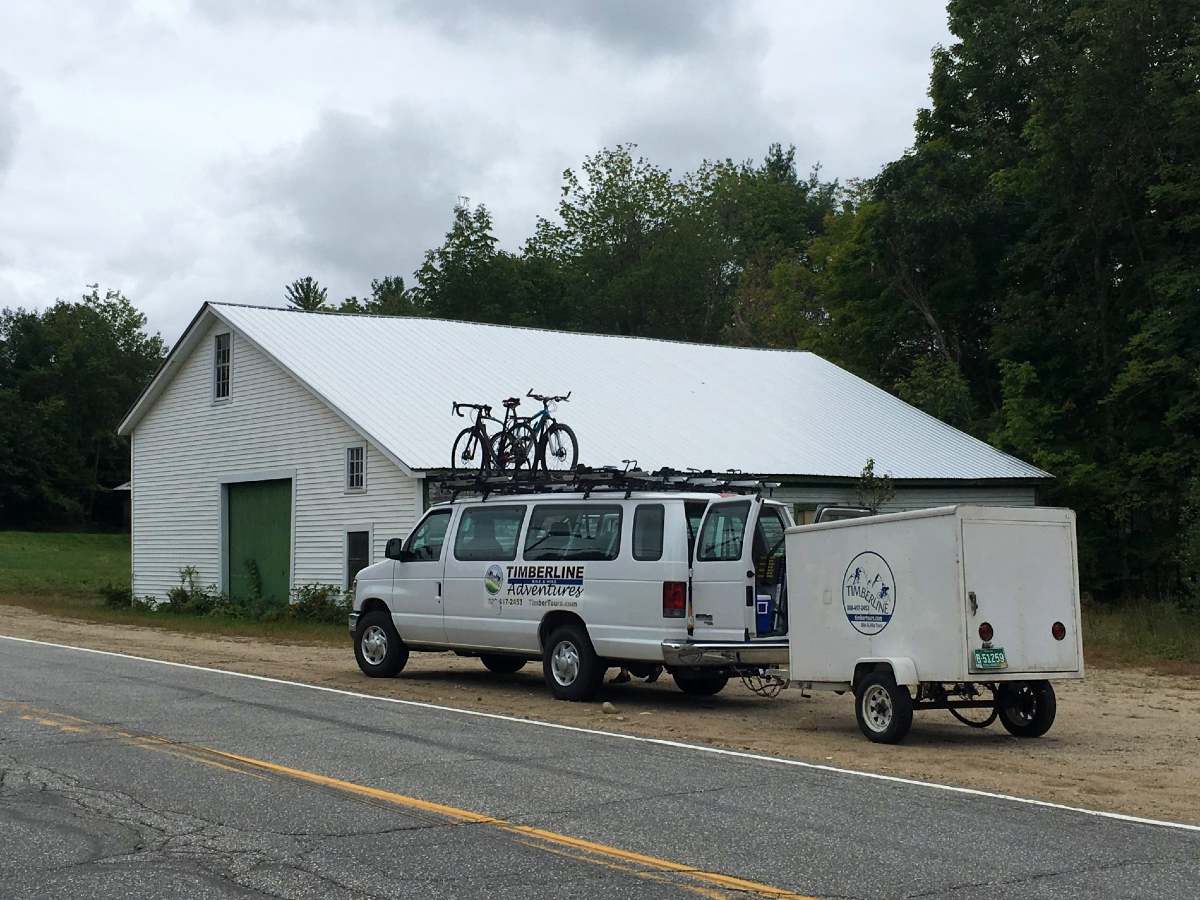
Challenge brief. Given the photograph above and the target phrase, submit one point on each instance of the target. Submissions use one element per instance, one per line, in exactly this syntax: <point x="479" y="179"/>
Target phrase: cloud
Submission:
<point x="641" y="27"/>
<point x="363" y="196"/>
<point x="9" y="124"/>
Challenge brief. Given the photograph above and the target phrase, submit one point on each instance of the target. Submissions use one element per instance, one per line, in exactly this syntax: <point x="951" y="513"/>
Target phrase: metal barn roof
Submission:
<point x="663" y="403"/>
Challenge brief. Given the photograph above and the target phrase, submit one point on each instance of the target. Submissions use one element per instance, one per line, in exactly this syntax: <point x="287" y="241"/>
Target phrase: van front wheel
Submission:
<point x="570" y="665"/>
<point x="377" y="647"/>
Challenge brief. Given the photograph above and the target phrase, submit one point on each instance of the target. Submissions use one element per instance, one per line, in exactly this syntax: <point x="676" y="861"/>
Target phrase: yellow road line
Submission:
<point x="729" y="882"/>
<point x="651" y="867"/>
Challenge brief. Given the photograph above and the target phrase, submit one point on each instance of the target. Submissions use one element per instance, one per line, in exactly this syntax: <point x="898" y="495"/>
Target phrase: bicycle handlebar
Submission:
<point x="544" y="399"/>
<point x="457" y="408"/>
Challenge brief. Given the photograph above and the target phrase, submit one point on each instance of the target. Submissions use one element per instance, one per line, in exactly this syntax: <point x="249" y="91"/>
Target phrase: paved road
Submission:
<point x="121" y="777"/>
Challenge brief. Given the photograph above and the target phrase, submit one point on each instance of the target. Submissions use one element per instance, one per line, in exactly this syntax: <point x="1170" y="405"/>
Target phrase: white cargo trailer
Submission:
<point x="968" y="608"/>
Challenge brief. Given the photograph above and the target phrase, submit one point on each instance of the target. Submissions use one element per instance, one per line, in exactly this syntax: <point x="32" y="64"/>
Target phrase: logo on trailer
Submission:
<point x="869" y="593"/>
<point x="493" y="579"/>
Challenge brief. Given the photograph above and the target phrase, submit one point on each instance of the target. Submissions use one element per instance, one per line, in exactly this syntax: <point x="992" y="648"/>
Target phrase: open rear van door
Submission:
<point x="722" y="571"/>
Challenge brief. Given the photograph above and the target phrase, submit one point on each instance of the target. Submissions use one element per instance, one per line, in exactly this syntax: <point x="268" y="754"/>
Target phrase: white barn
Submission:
<point x="301" y="440"/>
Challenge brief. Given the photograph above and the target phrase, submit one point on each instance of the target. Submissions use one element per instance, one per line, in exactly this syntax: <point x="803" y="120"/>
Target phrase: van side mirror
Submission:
<point x="394" y="549"/>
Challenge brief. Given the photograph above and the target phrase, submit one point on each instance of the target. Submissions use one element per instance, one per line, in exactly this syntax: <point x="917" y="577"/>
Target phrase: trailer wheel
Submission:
<point x="377" y="647"/>
<point x="570" y="665"/>
<point x="501" y="664"/>
<point x="884" y="709"/>
<point x="701" y="684"/>
<point x="1026" y="708"/>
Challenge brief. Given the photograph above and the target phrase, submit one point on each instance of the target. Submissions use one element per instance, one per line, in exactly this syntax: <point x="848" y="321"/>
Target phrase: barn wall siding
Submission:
<point x="811" y="496"/>
<point x="187" y="446"/>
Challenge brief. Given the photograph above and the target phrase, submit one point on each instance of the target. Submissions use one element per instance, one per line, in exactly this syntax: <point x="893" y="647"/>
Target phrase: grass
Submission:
<point x="62" y="563"/>
<point x="60" y="574"/>
<point x="1161" y="635"/>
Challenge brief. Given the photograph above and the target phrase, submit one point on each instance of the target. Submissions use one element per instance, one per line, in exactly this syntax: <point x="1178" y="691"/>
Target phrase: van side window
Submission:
<point x="427" y="538"/>
<point x="648" y="531"/>
<point x="488" y="533"/>
<point x="723" y="532"/>
<point x="768" y="534"/>
<point x="584" y="532"/>
<point x="694" y="510"/>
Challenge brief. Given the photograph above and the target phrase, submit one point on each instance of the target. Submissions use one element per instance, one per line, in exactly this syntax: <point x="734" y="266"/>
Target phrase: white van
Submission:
<point x="582" y="581"/>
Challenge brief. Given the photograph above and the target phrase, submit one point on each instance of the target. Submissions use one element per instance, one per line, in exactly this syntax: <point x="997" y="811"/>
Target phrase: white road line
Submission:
<point x="662" y="742"/>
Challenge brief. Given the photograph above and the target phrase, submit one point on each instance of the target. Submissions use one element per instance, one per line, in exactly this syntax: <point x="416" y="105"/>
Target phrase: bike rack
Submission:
<point x="605" y="479"/>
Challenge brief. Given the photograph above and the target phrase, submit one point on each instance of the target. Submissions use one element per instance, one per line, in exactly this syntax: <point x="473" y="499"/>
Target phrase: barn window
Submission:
<point x="222" y="355"/>
<point x="356" y="468"/>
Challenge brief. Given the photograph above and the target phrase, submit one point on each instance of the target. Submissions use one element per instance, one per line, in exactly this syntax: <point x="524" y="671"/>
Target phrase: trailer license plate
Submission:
<point x="991" y="659"/>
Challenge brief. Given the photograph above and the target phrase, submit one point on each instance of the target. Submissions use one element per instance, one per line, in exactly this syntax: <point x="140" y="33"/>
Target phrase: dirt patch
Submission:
<point x="1126" y="740"/>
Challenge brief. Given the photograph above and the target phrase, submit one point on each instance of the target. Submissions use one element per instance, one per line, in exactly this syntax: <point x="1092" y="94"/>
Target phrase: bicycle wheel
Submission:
<point x="558" y="450"/>
<point x="513" y="449"/>
<point x="472" y="450"/>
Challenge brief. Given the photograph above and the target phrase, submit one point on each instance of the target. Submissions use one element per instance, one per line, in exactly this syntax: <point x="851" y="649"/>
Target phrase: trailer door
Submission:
<point x="722" y="573"/>
<point x="1020" y="580"/>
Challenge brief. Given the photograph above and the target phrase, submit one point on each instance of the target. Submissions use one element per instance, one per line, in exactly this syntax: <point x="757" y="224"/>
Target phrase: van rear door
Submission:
<point x="722" y="573"/>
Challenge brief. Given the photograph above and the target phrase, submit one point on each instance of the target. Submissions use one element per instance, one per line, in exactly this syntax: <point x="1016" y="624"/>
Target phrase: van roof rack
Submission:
<point x="604" y="479"/>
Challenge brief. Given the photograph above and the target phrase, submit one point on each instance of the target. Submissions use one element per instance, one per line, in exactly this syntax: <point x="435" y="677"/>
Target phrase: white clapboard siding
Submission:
<point x="812" y="496"/>
<point x="187" y="446"/>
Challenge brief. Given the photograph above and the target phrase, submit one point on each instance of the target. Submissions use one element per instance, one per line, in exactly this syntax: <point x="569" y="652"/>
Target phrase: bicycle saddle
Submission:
<point x="512" y="402"/>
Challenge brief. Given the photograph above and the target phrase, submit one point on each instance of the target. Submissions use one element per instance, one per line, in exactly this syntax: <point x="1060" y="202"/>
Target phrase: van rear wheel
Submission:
<point x="701" y="684"/>
<point x="1026" y="708"/>
<point x="570" y="665"/>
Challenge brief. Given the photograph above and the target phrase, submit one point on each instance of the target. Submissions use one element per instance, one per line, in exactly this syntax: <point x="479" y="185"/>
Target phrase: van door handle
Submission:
<point x="439" y="593"/>
<point x="974" y="602"/>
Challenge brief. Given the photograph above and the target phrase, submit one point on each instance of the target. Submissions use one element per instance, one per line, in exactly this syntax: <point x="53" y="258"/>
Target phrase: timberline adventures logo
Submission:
<point x="493" y="579"/>
<point x="869" y="593"/>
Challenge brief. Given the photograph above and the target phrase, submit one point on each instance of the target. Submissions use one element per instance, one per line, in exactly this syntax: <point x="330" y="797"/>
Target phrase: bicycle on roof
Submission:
<point x="555" y="448"/>
<point x="474" y="448"/>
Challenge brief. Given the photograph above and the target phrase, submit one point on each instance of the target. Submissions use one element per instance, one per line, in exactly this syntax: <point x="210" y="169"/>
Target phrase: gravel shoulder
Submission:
<point x="1126" y="740"/>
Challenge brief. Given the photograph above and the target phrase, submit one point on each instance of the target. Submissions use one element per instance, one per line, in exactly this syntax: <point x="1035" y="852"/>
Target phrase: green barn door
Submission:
<point x="260" y="539"/>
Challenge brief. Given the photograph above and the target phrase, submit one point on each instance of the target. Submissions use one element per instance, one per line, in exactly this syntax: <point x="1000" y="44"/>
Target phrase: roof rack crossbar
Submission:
<point x="606" y="479"/>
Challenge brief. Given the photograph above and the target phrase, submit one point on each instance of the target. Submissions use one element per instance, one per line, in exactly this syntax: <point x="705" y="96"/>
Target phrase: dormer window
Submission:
<point x="222" y="356"/>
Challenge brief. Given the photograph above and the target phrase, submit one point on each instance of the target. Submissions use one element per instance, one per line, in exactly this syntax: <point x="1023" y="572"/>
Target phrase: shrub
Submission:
<point x="320" y="603"/>
<point x="190" y="598"/>
<point x="117" y="596"/>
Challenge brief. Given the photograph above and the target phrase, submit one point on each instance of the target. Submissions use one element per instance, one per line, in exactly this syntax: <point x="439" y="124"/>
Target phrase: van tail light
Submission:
<point x="1059" y="630"/>
<point x="674" y="599"/>
<point x="985" y="631"/>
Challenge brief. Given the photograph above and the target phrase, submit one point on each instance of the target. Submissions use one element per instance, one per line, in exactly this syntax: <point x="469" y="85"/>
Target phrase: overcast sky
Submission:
<point x="217" y="149"/>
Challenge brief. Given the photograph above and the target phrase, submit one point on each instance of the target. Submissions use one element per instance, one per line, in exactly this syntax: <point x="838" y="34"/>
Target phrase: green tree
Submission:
<point x="636" y="252"/>
<point x="67" y="376"/>
<point x="307" y="294"/>
<point x="389" y="297"/>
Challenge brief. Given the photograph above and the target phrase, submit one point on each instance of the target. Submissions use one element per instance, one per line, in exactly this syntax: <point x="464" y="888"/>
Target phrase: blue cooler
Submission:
<point x="764" y="614"/>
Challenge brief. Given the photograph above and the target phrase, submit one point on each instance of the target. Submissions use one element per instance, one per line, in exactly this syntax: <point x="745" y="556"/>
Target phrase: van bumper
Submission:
<point x="353" y="623"/>
<point x="771" y="653"/>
